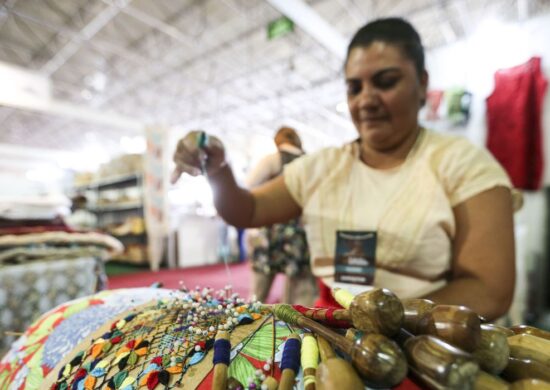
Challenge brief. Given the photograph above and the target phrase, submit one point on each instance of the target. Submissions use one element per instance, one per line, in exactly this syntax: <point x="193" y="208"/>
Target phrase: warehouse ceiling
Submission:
<point x="115" y="65"/>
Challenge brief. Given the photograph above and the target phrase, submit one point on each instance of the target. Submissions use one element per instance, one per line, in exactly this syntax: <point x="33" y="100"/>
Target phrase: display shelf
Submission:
<point x="117" y="207"/>
<point x="112" y="183"/>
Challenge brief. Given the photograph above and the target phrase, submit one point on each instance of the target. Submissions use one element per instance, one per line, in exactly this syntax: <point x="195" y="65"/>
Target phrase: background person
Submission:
<point x="280" y="248"/>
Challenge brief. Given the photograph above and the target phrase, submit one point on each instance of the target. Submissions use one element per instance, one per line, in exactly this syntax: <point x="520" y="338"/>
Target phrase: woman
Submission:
<point x="440" y="208"/>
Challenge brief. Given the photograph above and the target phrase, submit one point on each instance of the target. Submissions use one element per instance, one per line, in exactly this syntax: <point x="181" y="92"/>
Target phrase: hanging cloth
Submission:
<point x="514" y="118"/>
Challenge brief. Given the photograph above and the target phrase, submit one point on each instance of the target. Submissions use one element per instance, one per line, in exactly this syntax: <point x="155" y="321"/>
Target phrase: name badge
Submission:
<point x="354" y="260"/>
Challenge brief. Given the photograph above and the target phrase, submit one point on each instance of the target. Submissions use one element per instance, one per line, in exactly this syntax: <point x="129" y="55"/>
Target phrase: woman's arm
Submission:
<point x="264" y="205"/>
<point x="483" y="269"/>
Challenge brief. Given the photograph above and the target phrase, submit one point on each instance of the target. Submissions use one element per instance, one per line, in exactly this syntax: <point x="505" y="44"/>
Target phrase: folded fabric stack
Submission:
<point x="18" y="248"/>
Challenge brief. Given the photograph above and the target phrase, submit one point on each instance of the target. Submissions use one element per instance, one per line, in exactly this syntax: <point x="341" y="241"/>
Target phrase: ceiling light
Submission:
<point x="133" y="144"/>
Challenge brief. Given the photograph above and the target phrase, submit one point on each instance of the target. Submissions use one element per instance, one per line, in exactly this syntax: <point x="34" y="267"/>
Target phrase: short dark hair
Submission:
<point x="287" y="134"/>
<point x="396" y="31"/>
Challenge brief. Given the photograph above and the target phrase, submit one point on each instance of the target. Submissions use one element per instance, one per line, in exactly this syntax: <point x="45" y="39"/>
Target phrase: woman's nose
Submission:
<point x="368" y="97"/>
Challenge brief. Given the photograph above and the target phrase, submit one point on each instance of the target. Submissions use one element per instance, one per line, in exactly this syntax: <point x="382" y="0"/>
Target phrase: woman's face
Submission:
<point x="384" y="94"/>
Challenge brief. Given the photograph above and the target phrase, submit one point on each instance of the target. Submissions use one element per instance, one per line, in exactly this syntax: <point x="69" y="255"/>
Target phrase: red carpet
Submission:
<point x="214" y="276"/>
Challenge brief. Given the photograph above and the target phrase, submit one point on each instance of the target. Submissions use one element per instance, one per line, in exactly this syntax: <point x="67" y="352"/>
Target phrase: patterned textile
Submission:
<point x="281" y="248"/>
<point x="63" y="238"/>
<point x="23" y="254"/>
<point x="56" y="333"/>
<point x="28" y="290"/>
<point x="167" y="343"/>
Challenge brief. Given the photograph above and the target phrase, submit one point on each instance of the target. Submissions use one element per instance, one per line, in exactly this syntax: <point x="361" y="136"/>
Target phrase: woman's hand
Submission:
<point x="198" y="153"/>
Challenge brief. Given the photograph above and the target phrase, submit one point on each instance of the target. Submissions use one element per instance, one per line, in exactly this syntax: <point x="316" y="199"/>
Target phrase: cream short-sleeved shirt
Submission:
<point x="410" y="207"/>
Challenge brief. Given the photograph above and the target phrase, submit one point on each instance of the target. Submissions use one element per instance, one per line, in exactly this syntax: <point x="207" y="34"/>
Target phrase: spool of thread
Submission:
<point x="221" y="359"/>
<point x="310" y="360"/>
<point x="290" y="362"/>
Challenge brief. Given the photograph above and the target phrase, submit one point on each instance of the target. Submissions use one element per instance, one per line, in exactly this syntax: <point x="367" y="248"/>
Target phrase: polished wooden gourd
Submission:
<point x="526" y="329"/>
<point x="486" y="381"/>
<point x="457" y="325"/>
<point x="441" y="363"/>
<point x="493" y="352"/>
<point x="530" y="384"/>
<point x="527" y="346"/>
<point x="414" y="309"/>
<point x="374" y="311"/>
<point x="518" y="369"/>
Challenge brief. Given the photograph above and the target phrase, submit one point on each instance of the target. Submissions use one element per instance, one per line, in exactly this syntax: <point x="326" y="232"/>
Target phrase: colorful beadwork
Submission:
<point x="156" y="344"/>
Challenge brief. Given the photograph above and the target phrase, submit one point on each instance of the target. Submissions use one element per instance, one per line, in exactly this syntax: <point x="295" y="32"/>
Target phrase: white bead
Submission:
<point x="197" y="348"/>
<point x="264" y="387"/>
<point x="262" y="377"/>
<point x="190" y="329"/>
<point x="198" y="331"/>
<point x="259" y="372"/>
<point x="267" y="367"/>
<point x="211" y="329"/>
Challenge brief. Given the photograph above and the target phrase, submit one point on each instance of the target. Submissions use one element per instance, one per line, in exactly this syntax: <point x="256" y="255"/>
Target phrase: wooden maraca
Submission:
<point x="518" y="369"/>
<point x="530" y="384"/>
<point x="290" y="362"/>
<point x="485" y="381"/>
<point x="414" y="309"/>
<point x="526" y="329"/>
<point x="493" y="352"/>
<point x="527" y="346"/>
<point x="334" y="372"/>
<point x="309" y="360"/>
<point x="374" y="311"/>
<point x="440" y="364"/>
<point x="222" y="352"/>
<point x="378" y="359"/>
<point x="457" y="325"/>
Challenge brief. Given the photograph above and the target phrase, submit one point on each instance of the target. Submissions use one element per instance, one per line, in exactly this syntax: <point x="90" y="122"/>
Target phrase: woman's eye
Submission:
<point x="386" y="82"/>
<point x="354" y="89"/>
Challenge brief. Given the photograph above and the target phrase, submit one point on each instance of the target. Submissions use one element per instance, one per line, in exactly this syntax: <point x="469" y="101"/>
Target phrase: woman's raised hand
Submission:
<point x="198" y="153"/>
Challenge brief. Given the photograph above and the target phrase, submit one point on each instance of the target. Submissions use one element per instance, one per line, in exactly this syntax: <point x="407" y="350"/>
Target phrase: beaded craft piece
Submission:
<point x="57" y="332"/>
<point x="156" y="344"/>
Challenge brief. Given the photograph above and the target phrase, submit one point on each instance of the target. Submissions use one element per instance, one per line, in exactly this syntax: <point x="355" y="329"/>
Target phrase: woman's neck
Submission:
<point x="388" y="158"/>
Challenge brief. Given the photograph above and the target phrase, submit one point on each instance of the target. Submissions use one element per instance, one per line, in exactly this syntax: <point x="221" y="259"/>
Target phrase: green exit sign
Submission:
<point x="279" y="27"/>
